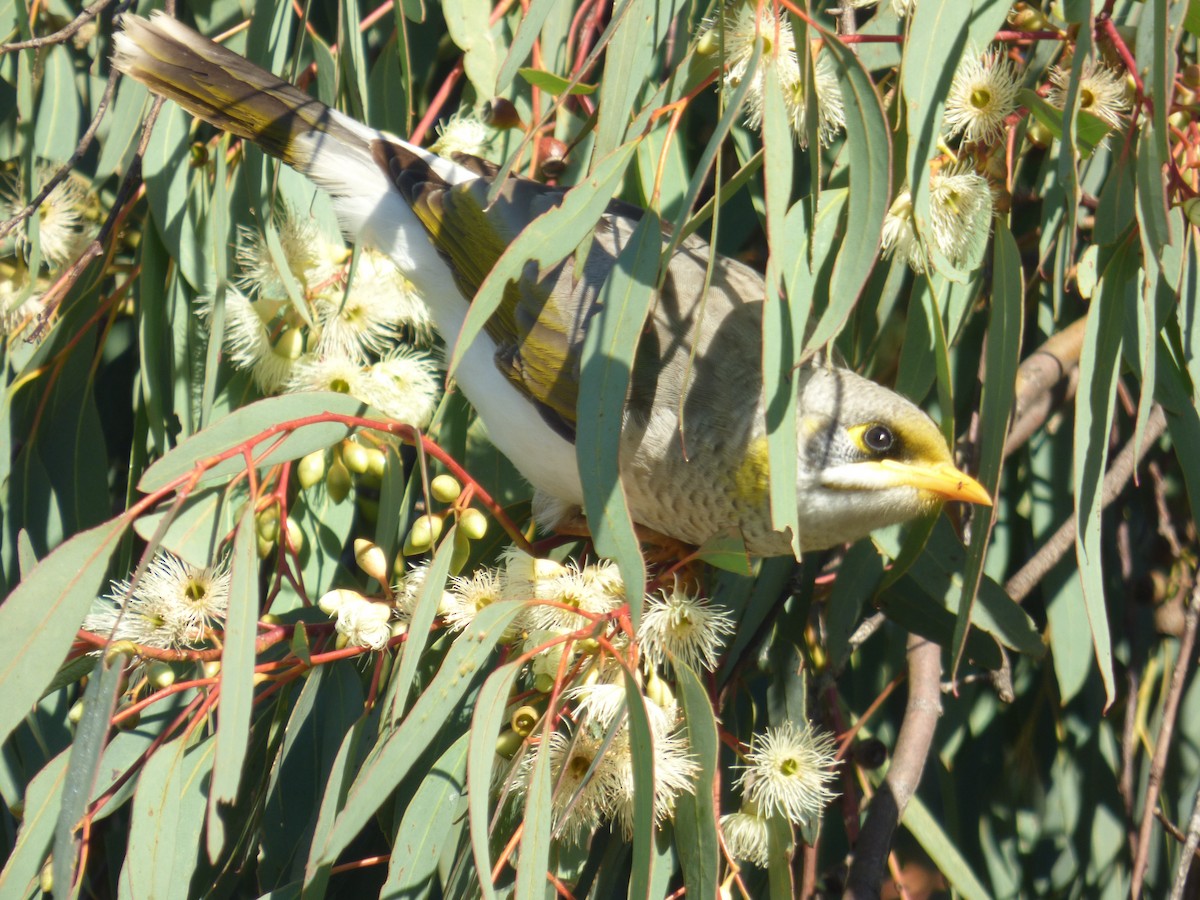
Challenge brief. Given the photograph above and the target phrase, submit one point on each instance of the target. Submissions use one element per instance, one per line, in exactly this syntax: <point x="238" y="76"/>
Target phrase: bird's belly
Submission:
<point x="542" y="455"/>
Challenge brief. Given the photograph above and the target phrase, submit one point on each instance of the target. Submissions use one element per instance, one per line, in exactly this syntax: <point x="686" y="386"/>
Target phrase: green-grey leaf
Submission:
<point x="260" y="427"/>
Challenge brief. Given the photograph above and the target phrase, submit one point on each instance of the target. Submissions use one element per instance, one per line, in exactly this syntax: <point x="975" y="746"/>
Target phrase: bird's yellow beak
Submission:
<point x="943" y="479"/>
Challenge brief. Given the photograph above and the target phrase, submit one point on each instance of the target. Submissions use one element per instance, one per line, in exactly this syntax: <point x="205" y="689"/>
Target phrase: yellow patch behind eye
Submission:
<point x="752" y="478"/>
<point x="856" y="433"/>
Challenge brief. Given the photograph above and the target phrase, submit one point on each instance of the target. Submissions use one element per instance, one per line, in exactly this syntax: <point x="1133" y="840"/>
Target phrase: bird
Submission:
<point x="693" y="455"/>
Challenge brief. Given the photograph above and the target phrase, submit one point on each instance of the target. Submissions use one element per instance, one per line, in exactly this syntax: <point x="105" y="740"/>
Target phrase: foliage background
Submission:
<point x="1071" y="773"/>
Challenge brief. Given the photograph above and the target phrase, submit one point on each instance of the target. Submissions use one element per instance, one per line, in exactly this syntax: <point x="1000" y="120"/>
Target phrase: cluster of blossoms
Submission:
<point x="63" y="232"/>
<point x="347" y="339"/>
<point x="788" y="772"/>
<point x="569" y="634"/>
<point x="983" y="95"/>
<point x="737" y="31"/>
<point x="172" y="606"/>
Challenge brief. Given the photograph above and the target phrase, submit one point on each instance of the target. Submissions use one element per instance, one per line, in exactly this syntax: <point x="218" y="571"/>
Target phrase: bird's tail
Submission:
<point x="227" y="90"/>
<point x="332" y="149"/>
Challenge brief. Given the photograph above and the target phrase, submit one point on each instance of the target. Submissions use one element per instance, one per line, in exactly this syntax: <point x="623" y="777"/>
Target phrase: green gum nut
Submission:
<point x="355" y="456"/>
<point x="508" y="743"/>
<point x="290" y="344"/>
<point x="337" y="481"/>
<point x="445" y="488"/>
<point x="377" y="462"/>
<point x="311" y="469"/>
<point x="424" y="532"/>
<point x="160" y="674"/>
<point x="472" y="523"/>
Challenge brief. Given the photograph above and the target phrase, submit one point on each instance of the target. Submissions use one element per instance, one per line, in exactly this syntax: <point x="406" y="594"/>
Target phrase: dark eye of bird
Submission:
<point x="879" y="438"/>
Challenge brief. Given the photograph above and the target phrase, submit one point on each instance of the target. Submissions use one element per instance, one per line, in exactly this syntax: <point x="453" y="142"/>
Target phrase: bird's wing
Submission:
<point x="539" y="325"/>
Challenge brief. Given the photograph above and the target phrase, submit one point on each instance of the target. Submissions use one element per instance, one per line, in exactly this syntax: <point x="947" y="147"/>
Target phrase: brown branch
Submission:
<point x="1162" y="744"/>
<point x="1046" y="379"/>
<point x="62" y="35"/>
<point x="908" y="762"/>
<point x="1191" y="847"/>
<point x="1061" y="541"/>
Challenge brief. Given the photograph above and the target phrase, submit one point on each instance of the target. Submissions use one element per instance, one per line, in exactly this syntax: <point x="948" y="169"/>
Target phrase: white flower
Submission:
<point x="469" y="594"/>
<point x="312" y="260"/>
<point x="462" y="134"/>
<point x="742" y="25"/>
<point x="62" y="232"/>
<point x="408" y="593"/>
<point x="405" y="385"/>
<point x="173" y="606"/>
<point x="900" y="233"/>
<point x="982" y="96"/>
<point x="1102" y="91"/>
<point x="17" y="310"/>
<point x="678" y="626"/>
<point x="363" y="622"/>
<point x="365" y="318"/>
<point x="789" y="770"/>
<point x="747" y="836"/>
<point x="524" y="575"/>
<point x="580" y="799"/>
<point x="674" y="774"/>
<point x="960" y="211"/>
<point x="573" y="590"/>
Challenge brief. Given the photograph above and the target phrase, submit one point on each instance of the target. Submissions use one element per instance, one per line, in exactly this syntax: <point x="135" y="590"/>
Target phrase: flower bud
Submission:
<point x="337" y="481"/>
<point x="75" y="713"/>
<point x="160" y="674"/>
<point x="290" y="344"/>
<point x="371" y="559"/>
<point x="355" y="456"/>
<point x="377" y="462"/>
<point x="211" y="668"/>
<point x="311" y="469"/>
<point x="1191" y="75"/>
<point x="293" y="535"/>
<point x="267" y="526"/>
<point x="472" y="523"/>
<point x="424" y="532"/>
<point x="543" y="683"/>
<point x="1191" y="209"/>
<point x="264" y="547"/>
<point x="445" y="488"/>
<point x="332" y="601"/>
<point x="1039" y="135"/>
<point x="508" y="743"/>
<point x="709" y="43"/>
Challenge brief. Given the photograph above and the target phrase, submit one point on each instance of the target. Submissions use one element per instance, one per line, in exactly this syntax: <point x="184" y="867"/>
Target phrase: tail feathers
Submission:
<point x="225" y="89"/>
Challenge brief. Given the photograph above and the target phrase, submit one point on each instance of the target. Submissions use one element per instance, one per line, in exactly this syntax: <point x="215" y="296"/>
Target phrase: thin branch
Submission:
<point x="80" y="149"/>
<point x="1063" y="540"/>
<point x="1162" y="743"/>
<point x="1190" y="847"/>
<point x="62" y="35"/>
<point x="908" y="762"/>
<point x="1046" y="379"/>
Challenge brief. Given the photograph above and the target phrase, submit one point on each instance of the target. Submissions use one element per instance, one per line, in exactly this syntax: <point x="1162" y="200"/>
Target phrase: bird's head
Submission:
<point x="868" y="458"/>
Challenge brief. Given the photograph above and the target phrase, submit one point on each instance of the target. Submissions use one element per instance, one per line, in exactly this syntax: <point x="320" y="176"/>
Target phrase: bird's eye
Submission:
<point x="879" y="439"/>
